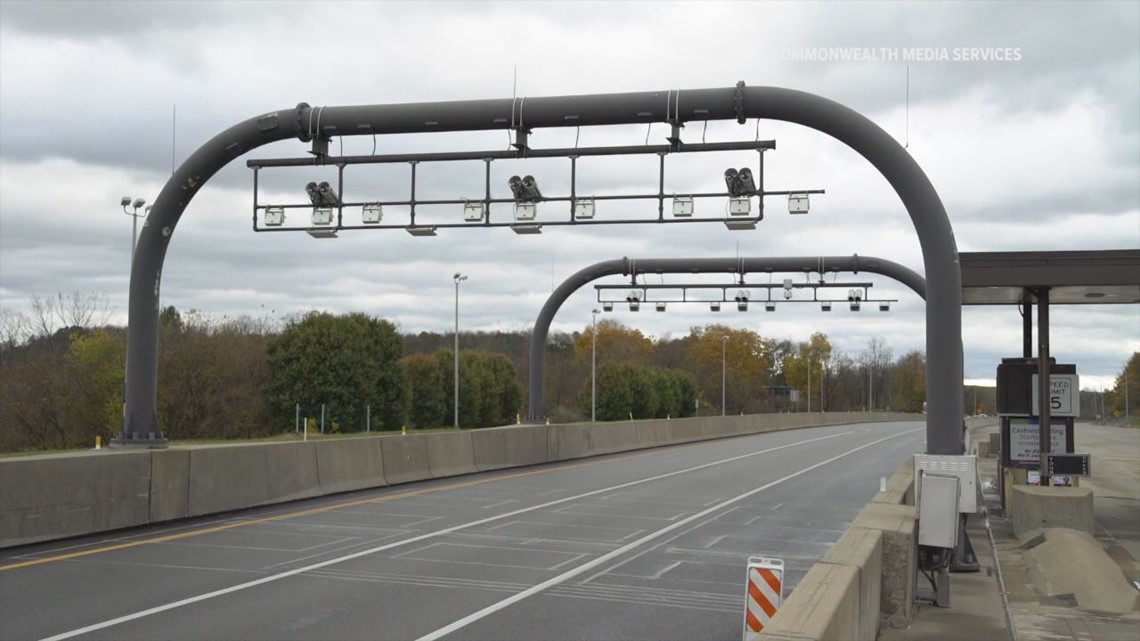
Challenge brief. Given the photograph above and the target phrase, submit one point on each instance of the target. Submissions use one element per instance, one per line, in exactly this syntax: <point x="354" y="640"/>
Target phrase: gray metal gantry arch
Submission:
<point x="675" y="107"/>
<point x="633" y="267"/>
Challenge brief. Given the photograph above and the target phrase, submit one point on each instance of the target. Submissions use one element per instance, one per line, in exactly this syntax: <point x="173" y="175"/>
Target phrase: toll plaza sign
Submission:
<point x="1064" y="395"/>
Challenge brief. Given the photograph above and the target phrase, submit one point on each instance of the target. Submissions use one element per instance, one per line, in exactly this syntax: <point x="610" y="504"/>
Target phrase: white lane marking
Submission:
<point x="660" y="573"/>
<point x="356" y="555"/>
<point x="562" y="578"/>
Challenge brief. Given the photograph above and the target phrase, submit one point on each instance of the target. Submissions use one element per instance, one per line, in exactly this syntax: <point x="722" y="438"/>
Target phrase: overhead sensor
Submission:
<point x="274" y="216"/>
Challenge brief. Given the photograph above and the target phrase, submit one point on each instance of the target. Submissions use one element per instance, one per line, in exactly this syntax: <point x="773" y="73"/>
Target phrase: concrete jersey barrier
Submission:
<point x="50" y="497"/>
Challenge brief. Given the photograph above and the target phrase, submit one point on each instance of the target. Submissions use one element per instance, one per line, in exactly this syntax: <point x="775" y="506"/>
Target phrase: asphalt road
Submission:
<point x="643" y="545"/>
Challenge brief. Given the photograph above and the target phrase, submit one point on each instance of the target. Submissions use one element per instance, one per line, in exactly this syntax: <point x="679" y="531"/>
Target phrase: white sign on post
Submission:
<point x="1064" y="395"/>
<point x="1025" y="440"/>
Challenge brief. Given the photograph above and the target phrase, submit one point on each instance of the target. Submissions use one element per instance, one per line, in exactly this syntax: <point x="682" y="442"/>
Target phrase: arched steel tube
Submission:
<point x="936" y="237"/>
<point x="633" y="267"/>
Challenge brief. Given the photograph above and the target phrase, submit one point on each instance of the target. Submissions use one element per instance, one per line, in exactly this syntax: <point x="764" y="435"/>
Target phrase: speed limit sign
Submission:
<point x="1064" y="395"/>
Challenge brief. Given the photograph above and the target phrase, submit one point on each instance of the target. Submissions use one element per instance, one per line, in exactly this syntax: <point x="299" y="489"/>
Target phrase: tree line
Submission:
<point x="62" y="375"/>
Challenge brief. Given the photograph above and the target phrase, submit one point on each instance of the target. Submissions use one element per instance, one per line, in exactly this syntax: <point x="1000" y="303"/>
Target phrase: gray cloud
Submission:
<point x="1041" y="153"/>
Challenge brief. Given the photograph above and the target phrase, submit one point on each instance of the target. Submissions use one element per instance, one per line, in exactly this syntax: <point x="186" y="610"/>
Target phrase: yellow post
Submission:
<point x="98" y="442"/>
<point x="404" y="430"/>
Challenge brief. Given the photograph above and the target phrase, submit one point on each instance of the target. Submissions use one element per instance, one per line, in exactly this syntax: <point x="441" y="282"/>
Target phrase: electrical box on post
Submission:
<point x="965" y="468"/>
<point x="938" y="513"/>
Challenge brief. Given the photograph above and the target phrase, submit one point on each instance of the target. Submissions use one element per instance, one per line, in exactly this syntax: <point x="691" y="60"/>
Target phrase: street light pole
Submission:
<point x="870" y="388"/>
<point x="458" y="278"/>
<point x="822" y="377"/>
<point x="809" y="385"/>
<point x="136" y="205"/>
<point x="723" y="371"/>
<point x="594" y="368"/>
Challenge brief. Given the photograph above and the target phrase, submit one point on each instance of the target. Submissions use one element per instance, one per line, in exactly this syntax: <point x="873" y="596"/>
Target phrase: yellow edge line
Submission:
<point x="287" y="515"/>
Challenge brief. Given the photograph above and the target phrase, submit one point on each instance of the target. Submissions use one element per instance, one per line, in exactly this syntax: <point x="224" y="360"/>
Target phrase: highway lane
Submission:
<point x="649" y="544"/>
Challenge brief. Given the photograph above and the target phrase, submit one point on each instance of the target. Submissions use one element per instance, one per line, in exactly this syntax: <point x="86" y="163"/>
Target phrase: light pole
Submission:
<point x="822" y="378"/>
<point x="136" y="205"/>
<point x="594" y="367"/>
<point x="723" y="370"/>
<point x="809" y="385"/>
<point x="870" y="388"/>
<point x="458" y="278"/>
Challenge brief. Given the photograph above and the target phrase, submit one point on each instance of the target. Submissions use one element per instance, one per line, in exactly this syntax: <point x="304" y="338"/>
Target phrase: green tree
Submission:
<point x="616" y="344"/>
<point x="474" y="384"/>
<point x="615" y="399"/>
<point x="644" y="399"/>
<point x="814" y="354"/>
<point x="427" y="403"/>
<point x="1124" y="398"/>
<point x="687" y="392"/>
<point x="645" y="392"/>
<point x="908" y="383"/>
<point x="745" y="363"/>
<point x="668" y="393"/>
<point x="212" y="377"/>
<point x="504" y="402"/>
<point x="96" y="399"/>
<point x="489" y="390"/>
<point x="346" y="362"/>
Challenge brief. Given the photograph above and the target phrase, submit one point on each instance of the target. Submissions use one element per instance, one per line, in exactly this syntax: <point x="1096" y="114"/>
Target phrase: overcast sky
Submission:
<point x="1039" y="151"/>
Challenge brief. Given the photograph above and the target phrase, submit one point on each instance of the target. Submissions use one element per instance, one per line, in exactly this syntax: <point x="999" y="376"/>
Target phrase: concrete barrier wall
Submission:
<point x="862" y="549"/>
<point x="823" y="607"/>
<point x="169" y="485"/>
<point x="608" y="438"/>
<point x="1036" y="507"/>
<point x="351" y="464"/>
<point x="569" y="441"/>
<point x="722" y="426"/>
<point x="686" y="430"/>
<point x="450" y="454"/>
<point x="648" y="435"/>
<point x="58" y="496"/>
<point x="46" y="498"/>
<point x="224" y="478"/>
<point x="515" y="446"/>
<point x="405" y="458"/>
<point x="656" y="433"/>
<point x="900" y="486"/>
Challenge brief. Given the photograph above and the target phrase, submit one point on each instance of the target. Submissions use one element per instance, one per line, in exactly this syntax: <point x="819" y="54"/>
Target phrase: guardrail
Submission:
<point x="50" y="497"/>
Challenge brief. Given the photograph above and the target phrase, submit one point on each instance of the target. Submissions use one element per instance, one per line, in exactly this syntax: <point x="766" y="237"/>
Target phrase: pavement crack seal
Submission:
<point x="323" y="564"/>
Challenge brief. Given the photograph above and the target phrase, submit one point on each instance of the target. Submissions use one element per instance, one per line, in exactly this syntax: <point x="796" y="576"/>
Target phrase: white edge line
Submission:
<point x="356" y="555"/>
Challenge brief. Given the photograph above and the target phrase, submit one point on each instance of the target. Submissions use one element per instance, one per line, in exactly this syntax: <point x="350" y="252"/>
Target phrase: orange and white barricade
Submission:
<point x="762" y="595"/>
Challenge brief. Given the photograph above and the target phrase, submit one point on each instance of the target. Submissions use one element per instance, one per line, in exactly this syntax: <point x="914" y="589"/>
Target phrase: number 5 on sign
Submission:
<point x="764" y="590"/>
<point x="1064" y="395"/>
